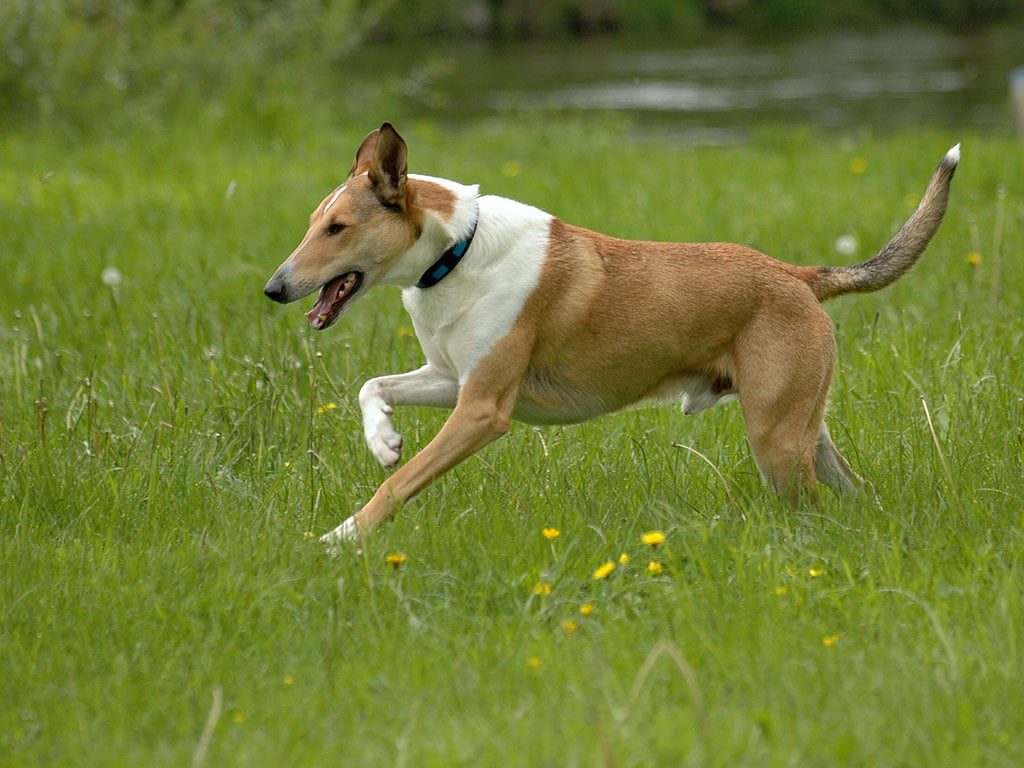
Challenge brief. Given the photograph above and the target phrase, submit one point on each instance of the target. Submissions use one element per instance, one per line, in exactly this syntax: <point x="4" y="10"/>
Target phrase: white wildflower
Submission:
<point x="846" y="245"/>
<point x="111" y="276"/>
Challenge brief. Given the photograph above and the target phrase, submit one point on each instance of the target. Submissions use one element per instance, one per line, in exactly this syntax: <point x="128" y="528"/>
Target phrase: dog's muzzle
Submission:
<point x="274" y="289"/>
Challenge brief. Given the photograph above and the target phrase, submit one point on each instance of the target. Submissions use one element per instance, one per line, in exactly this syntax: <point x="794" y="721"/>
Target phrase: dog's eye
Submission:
<point x="334" y="229"/>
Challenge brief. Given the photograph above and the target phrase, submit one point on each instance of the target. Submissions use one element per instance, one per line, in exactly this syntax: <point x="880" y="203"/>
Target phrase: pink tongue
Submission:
<point x="326" y="300"/>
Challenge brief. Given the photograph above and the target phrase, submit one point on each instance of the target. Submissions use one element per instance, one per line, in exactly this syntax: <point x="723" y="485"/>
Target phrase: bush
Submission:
<point x="76" y="59"/>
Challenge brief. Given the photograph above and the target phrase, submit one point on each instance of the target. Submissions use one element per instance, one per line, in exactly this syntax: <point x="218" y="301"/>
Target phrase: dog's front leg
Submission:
<point x="482" y="414"/>
<point x="377" y="398"/>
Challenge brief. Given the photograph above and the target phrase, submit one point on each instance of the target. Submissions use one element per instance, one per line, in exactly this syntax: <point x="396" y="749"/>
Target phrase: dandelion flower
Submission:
<point x="781" y="590"/>
<point x="586" y="609"/>
<point x="623" y="559"/>
<point x="111" y="277"/>
<point x="815" y="572"/>
<point x="654" y="567"/>
<point x="396" y="559"/>
<point x="858" y="165"/>
<point x="974" y="258"/>
<point x="511" y="169"/>
<point x="542" y="588"/>
<point x="325" y="408"/>
<point x="653" y="538"/>
<point x="288" y="680"/>
<point x="846" y="245"/>
<point x="604" y="571"/>
<point x="569" y="626"/>
<point x="533" y="662"/>
<point x="829" y="640"/>
<point x="551" y="533"/>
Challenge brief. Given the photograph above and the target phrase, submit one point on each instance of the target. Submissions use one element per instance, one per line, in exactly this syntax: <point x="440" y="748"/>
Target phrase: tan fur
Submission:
<point x="373" y="234"/>
<point x="428" y="196"/>
<point x="614" y="322"/>
<point x="599" y="331"/>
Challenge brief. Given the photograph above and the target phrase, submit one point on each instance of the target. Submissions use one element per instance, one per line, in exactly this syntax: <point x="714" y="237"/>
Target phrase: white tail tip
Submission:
<point x="953" y="156"/>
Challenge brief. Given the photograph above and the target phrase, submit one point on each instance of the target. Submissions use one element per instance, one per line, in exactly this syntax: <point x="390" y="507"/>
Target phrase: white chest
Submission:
<point x="461" y="318"/>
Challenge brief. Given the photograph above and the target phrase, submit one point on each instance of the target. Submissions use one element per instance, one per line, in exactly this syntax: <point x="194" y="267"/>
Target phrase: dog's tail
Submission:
<point x="900" y="253"/>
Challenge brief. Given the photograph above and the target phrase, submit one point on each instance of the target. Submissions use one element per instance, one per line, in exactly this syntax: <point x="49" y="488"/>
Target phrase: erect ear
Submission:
<point x="388" y="165"/>
<point x="365" y="153"/>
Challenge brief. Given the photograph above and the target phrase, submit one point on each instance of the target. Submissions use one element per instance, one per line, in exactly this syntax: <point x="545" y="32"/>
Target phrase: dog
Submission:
<point x="523" y="316"/>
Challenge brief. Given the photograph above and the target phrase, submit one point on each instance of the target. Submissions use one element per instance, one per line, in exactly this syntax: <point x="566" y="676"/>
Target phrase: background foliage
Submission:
<point x="71" y="60"/>
<point x="170" y="442"/>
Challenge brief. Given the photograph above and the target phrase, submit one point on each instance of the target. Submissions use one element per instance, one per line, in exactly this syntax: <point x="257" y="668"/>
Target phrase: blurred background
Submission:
<point x="705" y="70"/>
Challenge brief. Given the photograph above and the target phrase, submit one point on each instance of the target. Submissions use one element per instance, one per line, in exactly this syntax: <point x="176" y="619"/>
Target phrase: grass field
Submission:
<point x="169" y="443"/>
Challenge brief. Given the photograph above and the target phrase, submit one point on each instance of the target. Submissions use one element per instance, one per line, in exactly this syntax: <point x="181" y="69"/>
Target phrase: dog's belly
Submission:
<point x="546" y="400"/>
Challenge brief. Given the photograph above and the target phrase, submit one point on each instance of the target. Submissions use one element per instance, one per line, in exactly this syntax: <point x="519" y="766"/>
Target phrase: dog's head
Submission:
<point x="355" y="235"/>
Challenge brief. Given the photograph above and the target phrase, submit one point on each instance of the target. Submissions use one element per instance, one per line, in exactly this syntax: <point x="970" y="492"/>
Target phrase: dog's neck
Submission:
<point x="441" y="230"/>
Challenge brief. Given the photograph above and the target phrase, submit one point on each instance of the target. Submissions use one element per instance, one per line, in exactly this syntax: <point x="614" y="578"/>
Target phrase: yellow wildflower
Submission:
<point x="653" y="538"/>
<point x="586" y="609"/>
<point x="974" y="258"/>
<point x="780" y="591"/>
<point x="858" y="165"/>
<point x="238" y="718"/>
<point x="604" y="571"/>
<point x="551" y="533"/>
<point x="542" y="588"/>
<point x="288" y="680"/>
<point x="404" y="331"/>
<point x="815" y="572"/>
<point x="309" y="535"/>
<point x="396" y="559"/>
<point x="287" y="465"/>
<point x="654" y="568"/>
<point x="533" y="662"/>
<point x="623" y="558"/>
<point x="511" y="169"/>
<point x="829" y="640"/>
<point x="325" y="408"/>
<point x="569" y="626"/>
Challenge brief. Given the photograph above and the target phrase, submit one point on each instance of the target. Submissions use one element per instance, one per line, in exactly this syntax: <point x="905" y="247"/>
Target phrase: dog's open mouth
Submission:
<point x="334" y="295"/>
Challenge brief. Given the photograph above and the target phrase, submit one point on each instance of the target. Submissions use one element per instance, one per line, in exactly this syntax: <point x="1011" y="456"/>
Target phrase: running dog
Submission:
<point x="523" y="316"/>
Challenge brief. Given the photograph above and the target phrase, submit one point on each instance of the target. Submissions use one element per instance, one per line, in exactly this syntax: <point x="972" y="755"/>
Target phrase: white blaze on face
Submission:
<point x="334" y="197"/>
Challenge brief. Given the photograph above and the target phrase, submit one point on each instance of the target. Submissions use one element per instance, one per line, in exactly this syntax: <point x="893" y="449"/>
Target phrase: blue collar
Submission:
<point x="450" y="259"/>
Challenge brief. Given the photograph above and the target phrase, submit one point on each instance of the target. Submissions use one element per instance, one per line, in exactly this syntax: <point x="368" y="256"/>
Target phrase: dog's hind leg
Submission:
<point x="831" y="468"/>
<point x="783" y="384"/>
<point x="377" y="398"/>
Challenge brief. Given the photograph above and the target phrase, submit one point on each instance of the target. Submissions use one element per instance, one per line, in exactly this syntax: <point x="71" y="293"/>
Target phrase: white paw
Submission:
<point x="385" y="443"/>
<point x="387" y="447"/>
<point x="340" y="536"/>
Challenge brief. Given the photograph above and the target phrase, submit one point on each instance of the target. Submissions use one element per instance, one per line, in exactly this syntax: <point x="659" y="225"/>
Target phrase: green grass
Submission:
<point x="162" y="460"/>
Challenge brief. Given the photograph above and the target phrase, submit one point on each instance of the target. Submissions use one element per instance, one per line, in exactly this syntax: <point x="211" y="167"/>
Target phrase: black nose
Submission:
<point x="275" y="289"/>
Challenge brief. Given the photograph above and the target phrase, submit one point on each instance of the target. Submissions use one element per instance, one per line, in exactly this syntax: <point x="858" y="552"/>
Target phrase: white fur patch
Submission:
<point x="335" y="197"/>
<point x="337" y="538"/>
<point x="385" y="443"/>
<point x="954" y="155"/>
<point x="460" y="319"/>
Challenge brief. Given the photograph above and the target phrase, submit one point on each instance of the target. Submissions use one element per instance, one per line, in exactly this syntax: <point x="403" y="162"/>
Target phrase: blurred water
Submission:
<point x="716" y="91"/>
